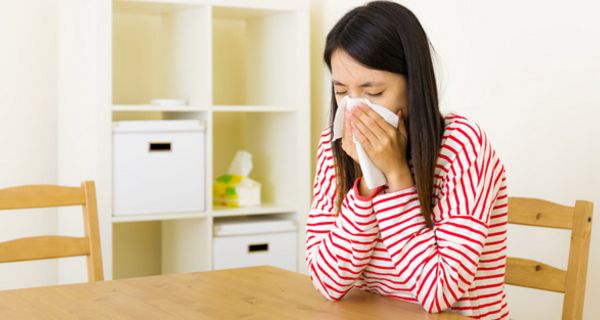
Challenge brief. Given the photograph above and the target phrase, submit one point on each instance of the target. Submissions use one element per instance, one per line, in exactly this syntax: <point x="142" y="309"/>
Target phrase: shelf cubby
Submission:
<point x="146" y="248"/>
<point x="255" y="57"/>
<point x="271" y="139"/>
<point x="136" y="249"/>
<point x="159" y="51"/>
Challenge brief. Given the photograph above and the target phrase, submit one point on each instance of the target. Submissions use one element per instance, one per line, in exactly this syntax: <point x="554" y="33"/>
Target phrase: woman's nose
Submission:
<point x="354" y="95"/>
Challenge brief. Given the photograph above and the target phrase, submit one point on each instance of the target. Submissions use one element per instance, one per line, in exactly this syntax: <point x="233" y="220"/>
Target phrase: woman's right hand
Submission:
<point x="348" y="144"/>
<point x="349" y="147"/>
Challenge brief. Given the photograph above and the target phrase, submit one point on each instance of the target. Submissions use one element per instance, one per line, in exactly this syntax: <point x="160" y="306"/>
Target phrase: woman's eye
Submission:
<point x="370" y="94"/>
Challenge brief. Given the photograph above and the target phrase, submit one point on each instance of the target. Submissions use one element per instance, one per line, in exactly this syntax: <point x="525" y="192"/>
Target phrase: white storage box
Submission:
<point x="246" y="242"/>
<point x="158" y="166"/>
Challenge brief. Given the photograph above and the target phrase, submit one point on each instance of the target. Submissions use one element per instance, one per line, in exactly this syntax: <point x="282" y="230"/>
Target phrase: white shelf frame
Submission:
<point x="216" y="212"/>
<point x="214" y="108"/>
<point x="86" y="110"/>
<point x="159" y="217"/>
<point x="152" y="108"/>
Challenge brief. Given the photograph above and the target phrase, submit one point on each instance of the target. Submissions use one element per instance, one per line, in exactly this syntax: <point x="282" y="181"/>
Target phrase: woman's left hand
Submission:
<point x="384" y="144"/>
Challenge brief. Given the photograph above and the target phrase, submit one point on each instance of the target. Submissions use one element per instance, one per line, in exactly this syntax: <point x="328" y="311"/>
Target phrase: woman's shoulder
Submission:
<point x="324" y="150"/>
<point x="463" y="142"/>
<point x="326" y="137"/>
<point x="463" y="133"/>
<point x="326" y="133"/>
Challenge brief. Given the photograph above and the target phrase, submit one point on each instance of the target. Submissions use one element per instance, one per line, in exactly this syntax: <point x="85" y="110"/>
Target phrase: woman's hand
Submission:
<point x="348" y="144"/>
<point x="349" y="147"/>
<point x="384" y="144"/>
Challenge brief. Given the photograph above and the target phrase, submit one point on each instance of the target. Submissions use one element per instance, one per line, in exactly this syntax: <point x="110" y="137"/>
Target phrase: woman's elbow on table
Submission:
<point x="328" y="291"/>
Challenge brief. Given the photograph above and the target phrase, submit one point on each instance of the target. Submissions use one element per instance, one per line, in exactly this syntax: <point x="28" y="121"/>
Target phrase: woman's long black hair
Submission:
<point x="386" y="36"/>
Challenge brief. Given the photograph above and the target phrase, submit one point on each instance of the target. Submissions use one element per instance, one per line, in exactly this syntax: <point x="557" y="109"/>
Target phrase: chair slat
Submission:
<point x="534" y="274"/>
<point x="92" y="230"/>
<point x="49" y="247"/>
<point x="539" y="213"/>
<point x="529" y="273"/>
<point x="43" y="247"/>
<point x="578" y="260"/>
<point x="40" y="196"/>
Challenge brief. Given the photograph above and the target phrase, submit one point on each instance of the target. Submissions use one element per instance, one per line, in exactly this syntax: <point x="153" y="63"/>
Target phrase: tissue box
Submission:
<point x="236" y="191"/>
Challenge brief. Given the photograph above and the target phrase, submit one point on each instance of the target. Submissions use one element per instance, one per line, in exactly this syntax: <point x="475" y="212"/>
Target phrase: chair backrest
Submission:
<point x="534" y="274"/>
<point x="49" y="247"/>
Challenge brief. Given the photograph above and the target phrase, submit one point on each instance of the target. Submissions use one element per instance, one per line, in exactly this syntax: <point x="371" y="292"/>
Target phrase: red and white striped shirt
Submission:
<point x="381" y="244"/>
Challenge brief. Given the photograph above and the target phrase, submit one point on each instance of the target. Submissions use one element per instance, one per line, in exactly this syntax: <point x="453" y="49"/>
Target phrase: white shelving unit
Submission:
<point x="243" y="67"/>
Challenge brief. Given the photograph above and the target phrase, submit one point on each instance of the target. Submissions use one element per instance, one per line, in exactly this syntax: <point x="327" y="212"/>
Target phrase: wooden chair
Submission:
<point x="49" y="247"/>
<point x="534" y="274"/>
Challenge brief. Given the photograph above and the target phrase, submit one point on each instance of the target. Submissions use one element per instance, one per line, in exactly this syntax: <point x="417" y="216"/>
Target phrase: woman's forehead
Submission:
<point x="346" y="70"/>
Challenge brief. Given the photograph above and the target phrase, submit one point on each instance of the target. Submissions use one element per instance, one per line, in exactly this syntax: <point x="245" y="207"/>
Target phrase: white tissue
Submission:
<point x="372" y="175"/>
<point x="241" y="164"/>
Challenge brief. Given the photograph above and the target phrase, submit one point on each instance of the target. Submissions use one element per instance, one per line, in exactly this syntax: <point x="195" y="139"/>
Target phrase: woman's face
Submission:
<point x="352" y="79"/>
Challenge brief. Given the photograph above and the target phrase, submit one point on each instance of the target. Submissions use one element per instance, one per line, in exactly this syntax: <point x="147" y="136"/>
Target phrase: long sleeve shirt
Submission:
<point x="380" y="243"/>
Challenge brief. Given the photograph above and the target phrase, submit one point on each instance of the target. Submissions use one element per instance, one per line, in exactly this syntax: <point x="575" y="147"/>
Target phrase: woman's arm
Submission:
<point x="439" y="264"/>
<point x="338" y="247"/>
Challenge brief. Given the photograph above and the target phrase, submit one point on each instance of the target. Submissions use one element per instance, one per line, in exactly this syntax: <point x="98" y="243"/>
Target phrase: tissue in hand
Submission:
<point x="372" y="175"/>
<point x="235" y="189"/>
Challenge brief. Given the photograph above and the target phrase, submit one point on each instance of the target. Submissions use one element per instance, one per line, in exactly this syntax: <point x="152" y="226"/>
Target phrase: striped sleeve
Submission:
<point x="439" y="264"/>
<point x="338" y="246"/>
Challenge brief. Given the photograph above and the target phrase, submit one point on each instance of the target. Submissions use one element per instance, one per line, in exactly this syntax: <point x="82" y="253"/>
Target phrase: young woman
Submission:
<point x="435" y="234"/>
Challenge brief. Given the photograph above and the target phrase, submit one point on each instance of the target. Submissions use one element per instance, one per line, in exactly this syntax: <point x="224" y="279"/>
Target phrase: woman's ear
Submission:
<point x="400" y="115"/>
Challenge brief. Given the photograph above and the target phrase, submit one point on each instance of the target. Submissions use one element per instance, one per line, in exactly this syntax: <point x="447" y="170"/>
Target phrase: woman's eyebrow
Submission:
<point x="364" y="85"/>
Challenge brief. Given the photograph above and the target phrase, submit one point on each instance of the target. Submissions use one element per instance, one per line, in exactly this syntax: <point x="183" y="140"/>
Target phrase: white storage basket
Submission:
<point x="245" y="242"/>
<point x="158" y="166"/>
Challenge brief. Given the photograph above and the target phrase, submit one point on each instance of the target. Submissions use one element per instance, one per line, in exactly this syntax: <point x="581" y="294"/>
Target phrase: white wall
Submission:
<point x="529" y="73"/>
<point x="28" y="98"/>
<point x="83" y="86"/>
<point x="50" y="50"/>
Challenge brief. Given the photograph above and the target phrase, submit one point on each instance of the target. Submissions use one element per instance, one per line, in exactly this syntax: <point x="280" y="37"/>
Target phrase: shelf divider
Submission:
<point x="159" y="216"/>
<point x="219" y="211"/>
<point x="153" y="108"/>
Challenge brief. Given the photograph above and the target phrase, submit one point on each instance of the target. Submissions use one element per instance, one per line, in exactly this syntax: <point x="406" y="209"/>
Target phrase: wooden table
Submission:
<point x="247" y="293"/>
